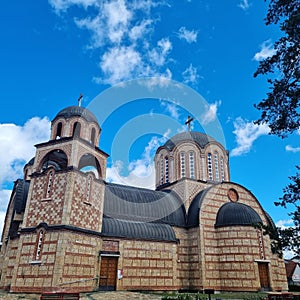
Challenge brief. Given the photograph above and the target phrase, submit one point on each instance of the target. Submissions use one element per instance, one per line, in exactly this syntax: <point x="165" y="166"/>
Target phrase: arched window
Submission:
<point x="161" y="170"/>
<point x="209" y="166"/>
<point x="182" y="164"/>
<point x="76" y="129"/>
<point x="222" y="168"/>
<point x="93" y="135"/>
<point x="39" y="244"/>
<point x="58" y="130"/>
<point x="50" y="179"/>
<point x="192" y="164"/>
<point x="88" y="188"/>
<point x="216" y="161"/>
<point x="166" y="169"/>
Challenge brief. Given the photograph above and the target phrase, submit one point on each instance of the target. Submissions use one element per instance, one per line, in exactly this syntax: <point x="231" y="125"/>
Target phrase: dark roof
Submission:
<point x="21" y="193"/>
<point x="141" y="213"/>
<point x="200" y="138"/>
<point x="140" y="230"/>
<point x="290" y="268"/>
<point x="143" y="205"/>
<point x="30" y="163"/>
<point x="194" y="209"/>
<point x="234" y="213"/>
<point x="77" y="111"/>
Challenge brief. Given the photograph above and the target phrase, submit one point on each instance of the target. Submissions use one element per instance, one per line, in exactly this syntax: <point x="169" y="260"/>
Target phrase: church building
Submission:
<point x="67" y="229"/>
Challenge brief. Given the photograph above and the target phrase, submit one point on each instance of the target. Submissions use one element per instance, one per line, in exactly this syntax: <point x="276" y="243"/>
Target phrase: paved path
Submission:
<point x="88" y="296"/>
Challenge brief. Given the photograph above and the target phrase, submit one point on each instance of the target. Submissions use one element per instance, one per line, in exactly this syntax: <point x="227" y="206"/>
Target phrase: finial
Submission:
<point x="80" y="99"/>
<point x="188" y="122"/>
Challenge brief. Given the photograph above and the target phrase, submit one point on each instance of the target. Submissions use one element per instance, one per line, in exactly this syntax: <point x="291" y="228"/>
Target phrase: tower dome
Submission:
<point x="76" y="121"/>
<point x="77" y="111"/>
<point x="193" y="155"/>
<point x="201" y="139"/>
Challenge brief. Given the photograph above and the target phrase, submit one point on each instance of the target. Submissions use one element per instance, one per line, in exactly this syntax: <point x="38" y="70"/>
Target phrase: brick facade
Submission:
<point x="58" y="243"/>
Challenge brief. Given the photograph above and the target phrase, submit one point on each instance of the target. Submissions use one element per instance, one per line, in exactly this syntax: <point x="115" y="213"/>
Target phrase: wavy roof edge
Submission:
<point x="137" y="230"/>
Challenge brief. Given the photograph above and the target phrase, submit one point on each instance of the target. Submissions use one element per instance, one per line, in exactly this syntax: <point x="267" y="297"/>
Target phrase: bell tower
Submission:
<point x="65" y="201"/>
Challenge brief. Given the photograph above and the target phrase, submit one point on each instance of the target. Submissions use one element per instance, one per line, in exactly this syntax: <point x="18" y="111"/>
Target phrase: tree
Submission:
<point x="281" y="108"/>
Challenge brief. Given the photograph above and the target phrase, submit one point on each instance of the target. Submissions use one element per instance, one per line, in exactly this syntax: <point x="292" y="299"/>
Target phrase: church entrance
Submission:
<point x="263" y="270"/>
<point x="108" y="273"/>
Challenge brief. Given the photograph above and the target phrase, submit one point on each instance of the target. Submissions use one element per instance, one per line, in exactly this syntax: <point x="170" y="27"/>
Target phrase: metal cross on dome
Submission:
<point x="80" y="99"/>
<point x="188" y="122"/>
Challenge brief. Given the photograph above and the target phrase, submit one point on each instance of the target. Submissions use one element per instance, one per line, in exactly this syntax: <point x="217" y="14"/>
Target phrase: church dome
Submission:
<point x="200" y="138"/>
<point x="234" y="214"/>
<point x="77" y="111"/>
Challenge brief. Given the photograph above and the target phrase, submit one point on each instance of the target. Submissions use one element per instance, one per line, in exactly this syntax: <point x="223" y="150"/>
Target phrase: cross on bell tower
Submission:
<point x="188" y="122"/>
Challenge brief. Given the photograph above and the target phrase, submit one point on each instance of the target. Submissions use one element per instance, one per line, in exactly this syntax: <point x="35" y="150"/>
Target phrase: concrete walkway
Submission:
<point x="88" y="296"/>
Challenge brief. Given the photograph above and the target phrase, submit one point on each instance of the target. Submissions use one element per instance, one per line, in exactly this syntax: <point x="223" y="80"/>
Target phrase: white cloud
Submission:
<point x="17" y="146"/>
<point x="158" y="55"/>
<point x="125" y="28"/>
<point x="246" y="133"/>
<point x="63" y="5"/>
<point x="118" y="18"/>
<point x="171" y="108"/>
<point x="283" y="224"/>
<point x="289" y="148"/>
<point x="119" y="63"/>
<point x="266" y="50"/>
<point x="211" y="113"/>
<point x="139" y="30"/>
<point x="141" y="171"/>
<point x="189" y="36"/>
<point x="244" y="5"/>
<point x="190" y="75"/>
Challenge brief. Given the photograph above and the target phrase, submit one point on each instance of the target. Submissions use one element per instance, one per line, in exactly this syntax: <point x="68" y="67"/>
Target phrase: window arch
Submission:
<point x="89" y="163"/>
<point x="209" y="166"/>
<point x="222" y="168"/>
<point x="93" y="135"/>
<point x="166" y="169"/>
<point x="192" y="164"/>
<point x="182" y="164"/>
<point x="58" y="130"/>
<point x="76" y="129"/>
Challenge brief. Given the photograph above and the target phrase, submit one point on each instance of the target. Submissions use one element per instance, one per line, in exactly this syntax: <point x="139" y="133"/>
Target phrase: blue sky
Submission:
<point x="54" y="50"/>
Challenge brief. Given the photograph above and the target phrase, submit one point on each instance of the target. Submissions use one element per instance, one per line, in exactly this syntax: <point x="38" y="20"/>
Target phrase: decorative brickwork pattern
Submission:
<point x="148" y="265"/>
<point x="85" y="214"/>
<point x="47" y="210"/>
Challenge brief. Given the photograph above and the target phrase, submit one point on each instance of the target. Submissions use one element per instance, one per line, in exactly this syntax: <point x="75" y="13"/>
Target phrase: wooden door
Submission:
<point x="264" y="276"/>
<point x="108" y="273"/>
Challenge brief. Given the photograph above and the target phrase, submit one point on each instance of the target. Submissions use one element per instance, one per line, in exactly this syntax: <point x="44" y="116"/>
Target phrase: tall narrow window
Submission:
<point x="161" y="171"/>
<point x="58" y="130"/>
<point x="209" y="166"/>
<point x="192" y="165"/>
<point x="222" y="168"/>
<point x="182" y="164"/>
<point x="166" y="169"/>
<point x="76" y="129"/>
<point x="49" y="183"/>
<point x="216" y="159"/>
<point x="39" y="244"/>
<point x="93" y="135"/>
<point x="88" y="188"/>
